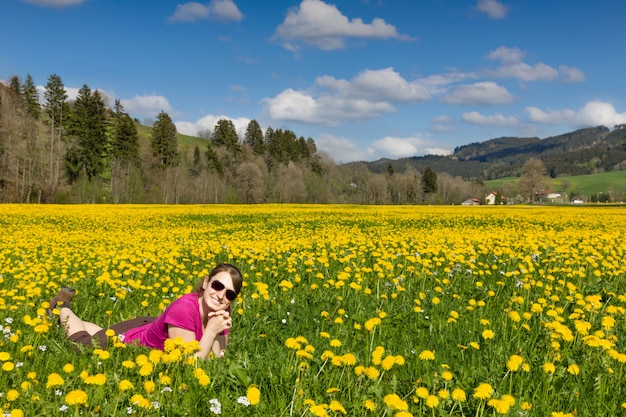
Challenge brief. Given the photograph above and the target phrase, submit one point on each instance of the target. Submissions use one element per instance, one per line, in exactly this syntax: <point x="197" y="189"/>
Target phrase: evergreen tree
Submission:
<point x="164" y="141"/>
<point x="31" y="97"/>
<point x="214" y="161"/>
<point x="254" y="137"/>
<point x="88" y="132"/>
<point x="56" y="100"/>
<point x="196" y="167"/>
<point x="125" y="144"/>
<point x="16" y="85"/>
<point x="225" y="135"/>
<point x="429" y="181"/>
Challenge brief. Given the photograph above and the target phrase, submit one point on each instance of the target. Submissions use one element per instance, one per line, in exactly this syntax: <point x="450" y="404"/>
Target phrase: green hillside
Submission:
<point x="613" y="182"/>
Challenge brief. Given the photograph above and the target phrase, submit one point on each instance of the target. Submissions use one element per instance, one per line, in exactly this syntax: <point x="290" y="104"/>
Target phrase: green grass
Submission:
<point x="185" y="142"/>
<point x="607" y="182"/>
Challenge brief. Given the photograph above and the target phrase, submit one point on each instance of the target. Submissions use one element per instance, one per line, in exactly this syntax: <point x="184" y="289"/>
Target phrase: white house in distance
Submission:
<point x="492" y="198"/>
<point x="471" y="202"/>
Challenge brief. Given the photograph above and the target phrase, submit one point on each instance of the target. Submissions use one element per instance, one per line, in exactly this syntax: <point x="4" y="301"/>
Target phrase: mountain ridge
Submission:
<point x="582" y="151"/>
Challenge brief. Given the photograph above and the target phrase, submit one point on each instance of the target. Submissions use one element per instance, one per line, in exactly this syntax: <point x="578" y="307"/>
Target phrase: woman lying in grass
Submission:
<point x="203" y="315"/>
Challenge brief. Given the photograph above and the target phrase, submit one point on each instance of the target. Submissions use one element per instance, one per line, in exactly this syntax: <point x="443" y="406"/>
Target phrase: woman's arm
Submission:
<point x="212" y="340"/>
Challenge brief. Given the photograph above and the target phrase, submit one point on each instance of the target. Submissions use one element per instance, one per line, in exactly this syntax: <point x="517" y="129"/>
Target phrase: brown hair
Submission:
<point x="232" y="270"/>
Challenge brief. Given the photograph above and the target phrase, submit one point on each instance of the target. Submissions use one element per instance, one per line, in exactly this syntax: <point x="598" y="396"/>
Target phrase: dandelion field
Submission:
<point x="345" y="310"/>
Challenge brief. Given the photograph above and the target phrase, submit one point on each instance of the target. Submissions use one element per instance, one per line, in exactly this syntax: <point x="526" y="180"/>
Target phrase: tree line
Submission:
<point x="57" y="150"/>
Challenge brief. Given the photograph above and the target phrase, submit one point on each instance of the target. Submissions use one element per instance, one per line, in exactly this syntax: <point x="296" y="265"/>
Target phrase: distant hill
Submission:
<point x="584" y="151"/>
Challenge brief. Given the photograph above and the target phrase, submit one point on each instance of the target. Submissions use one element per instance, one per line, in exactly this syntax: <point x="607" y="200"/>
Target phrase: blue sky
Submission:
<point x="366" y="79"/>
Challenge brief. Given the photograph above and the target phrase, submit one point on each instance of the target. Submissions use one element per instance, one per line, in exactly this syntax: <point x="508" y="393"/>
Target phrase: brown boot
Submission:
<point x="62" y="299"/>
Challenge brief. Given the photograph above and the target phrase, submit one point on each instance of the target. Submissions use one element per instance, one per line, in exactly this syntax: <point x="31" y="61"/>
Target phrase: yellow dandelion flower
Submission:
<point x="388" y="362"/>
<point x="458" y="395"/>
<point x="514" y="362"/>
<point x="13" y="394"/>
<point x="154" y="356"/>
<point x="573" y="369"/>
<point x="422" y="392"/>
<point x="41" y="328"/>
<point x="483" y="391"/>
<point x="54" y="380"/>
<point x="548" y="368"/>
<point x="371" y="324"/>
<point x="319" y="410"/>
<point x="125" y="385"/>
<point x="76" y="397"/>
<point x="515" y="316"/>
<point x="149" y="386"/>
<point x="501" y="407"/>
<point x="394" y="402"/>
<point x="432" y="401"/>
<point x="369" y="405"/>
<point x="292" y="343"/>
<point x="372" y="373"/>
<point x="447" y="375"/>
<point x="68" y="368"/>
<point x="348" y="359"/>
<point x="337" y="407"/>
<point x="253" y="394"/>
<point x="128" y="364"/>
<point x="377" y="355"/>
<point x="488" y="334"/>
<point x="335" y="343"/>
<point x="146" y="369"/>
<point x="140" y="401"/>
<point x="327" y="354"/>
<point x="8" y="366"/>
<point x="427" y="355"/>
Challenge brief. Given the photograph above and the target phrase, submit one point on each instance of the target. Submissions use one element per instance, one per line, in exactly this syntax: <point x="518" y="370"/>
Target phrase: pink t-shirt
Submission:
<point x="183" y="313"/>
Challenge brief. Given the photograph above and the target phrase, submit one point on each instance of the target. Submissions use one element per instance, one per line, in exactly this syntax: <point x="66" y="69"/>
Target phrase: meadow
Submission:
<point x="346" y="310"/>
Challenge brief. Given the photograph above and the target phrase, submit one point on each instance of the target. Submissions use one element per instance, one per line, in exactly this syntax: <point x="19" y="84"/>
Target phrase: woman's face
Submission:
<point x="217" y="291"/>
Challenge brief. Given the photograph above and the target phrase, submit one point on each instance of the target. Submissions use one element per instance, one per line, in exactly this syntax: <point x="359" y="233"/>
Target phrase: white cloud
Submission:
<point x="526" y="72"/>
<point x="300" y="106"/>
<point x="331" y="101"/>
<point x="55" y="3"/>
<point x="493" y="8"/>
<point x="392" y="147"/>
<point x="486" y="92"/>
<point x="594" y="113"/>
<point x="208" y="122"/>
<point x="498" y="119"/>
<point x="507" y="55"/>
<point x="377" y="85"/>
<point x="571" y="74"/>
<point x="512" y="66"/>
<point x="222" y="10"/>
<point x="146" y="106"/>
<point x="322" y="25"/>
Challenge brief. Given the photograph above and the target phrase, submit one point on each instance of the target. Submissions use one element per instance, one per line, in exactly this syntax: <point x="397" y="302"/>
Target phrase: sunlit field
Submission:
<point x="358" y="311"/>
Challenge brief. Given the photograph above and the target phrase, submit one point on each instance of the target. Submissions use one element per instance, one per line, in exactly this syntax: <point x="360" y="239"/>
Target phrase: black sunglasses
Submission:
<point x="218" y="286"/>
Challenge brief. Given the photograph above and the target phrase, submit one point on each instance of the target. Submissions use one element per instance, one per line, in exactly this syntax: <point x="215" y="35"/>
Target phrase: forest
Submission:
<point x="83" y="152"/>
